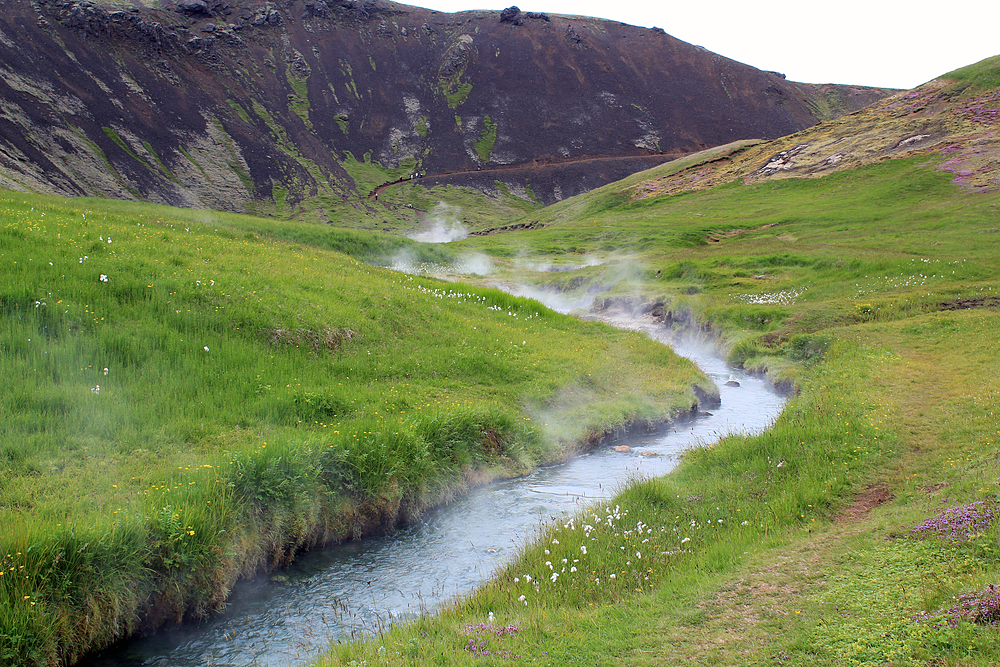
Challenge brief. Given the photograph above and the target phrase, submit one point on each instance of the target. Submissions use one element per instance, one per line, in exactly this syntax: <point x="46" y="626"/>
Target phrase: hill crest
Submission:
<point x="944" y="117"/>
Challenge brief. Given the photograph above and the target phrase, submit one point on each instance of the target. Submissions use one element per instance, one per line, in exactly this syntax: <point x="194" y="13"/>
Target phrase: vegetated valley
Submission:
<point x="857" y="262"/>
<point x="205" y="394"/>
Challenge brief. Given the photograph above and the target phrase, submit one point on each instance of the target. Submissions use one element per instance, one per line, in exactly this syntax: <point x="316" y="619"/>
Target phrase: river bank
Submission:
<point x="360" y="588"/>
<point x="807" y="542"/>
<point x="205" y="398"/>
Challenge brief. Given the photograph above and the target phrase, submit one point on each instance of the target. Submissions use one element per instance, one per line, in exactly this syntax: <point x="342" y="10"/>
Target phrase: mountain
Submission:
<point x="304" y="107"/>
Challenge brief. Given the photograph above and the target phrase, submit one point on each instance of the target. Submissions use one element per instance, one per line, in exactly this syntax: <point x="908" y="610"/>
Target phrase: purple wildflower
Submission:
<point x="958" y="523"/>
<point x="982" y="608"/>
<point x="478" y="644"/>
<point x="981" y="109"/>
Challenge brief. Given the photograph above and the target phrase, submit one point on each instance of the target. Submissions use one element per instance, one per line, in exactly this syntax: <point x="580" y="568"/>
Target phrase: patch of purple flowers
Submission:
<point x="958" y="523"/>
<point x="982" y="608"/>
<point x="981" y="109"/>
<point x="478" y="644"/>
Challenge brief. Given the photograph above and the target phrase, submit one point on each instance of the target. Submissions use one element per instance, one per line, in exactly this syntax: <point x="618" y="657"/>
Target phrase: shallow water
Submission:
<point x="356" y="588"/>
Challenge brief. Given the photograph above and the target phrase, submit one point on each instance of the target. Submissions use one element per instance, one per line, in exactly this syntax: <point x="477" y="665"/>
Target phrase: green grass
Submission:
<point x="487" y="139"/>
<point x="755" y="551"/>
<point x="368" y="175"/>
<point x="980" y="76"/>
<point x="104" y="158"/>
<point x="111" y="134"/>
<point x="240" y="111"/>
<point x="456" y="92"/>
<point x="299" y="101"/>
<point x="205" y="394"/>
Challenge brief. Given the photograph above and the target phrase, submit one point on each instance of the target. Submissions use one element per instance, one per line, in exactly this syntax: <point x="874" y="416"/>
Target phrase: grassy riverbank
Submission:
<point x="759" y="550"/>
<point x="860" y="530"/>
<point x="195" y="397"/>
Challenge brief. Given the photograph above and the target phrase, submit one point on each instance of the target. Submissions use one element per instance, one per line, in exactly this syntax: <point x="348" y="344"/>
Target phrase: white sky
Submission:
<point x="887" y="43"/>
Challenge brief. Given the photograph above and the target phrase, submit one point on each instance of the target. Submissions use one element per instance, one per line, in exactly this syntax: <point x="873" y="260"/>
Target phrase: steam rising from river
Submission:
<point x="443" y="226"/>
<point x="550" y="267"/>
<point x="613" y="279"/>
<point x="557" y="301"/>
<point x="476" y="264"/>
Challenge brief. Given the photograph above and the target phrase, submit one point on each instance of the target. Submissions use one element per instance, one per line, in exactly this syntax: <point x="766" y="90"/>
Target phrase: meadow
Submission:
<point x="206" y="394"/>
<point x="860" y="529"/>
<point x="193" y="398"/>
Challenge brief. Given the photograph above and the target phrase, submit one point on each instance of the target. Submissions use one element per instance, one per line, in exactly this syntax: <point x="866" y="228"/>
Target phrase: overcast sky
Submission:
<point x="888" y="43"/>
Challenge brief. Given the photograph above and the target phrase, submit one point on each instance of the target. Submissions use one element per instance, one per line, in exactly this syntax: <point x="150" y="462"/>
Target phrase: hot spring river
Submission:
<point x="355" y="588"/>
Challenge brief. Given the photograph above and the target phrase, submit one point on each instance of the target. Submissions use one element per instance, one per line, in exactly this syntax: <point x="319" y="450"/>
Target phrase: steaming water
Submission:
<point x="356" y="588"/>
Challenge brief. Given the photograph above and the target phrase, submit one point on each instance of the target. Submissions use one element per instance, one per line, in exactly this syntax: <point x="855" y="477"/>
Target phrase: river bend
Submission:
<point x="355" y="588"/>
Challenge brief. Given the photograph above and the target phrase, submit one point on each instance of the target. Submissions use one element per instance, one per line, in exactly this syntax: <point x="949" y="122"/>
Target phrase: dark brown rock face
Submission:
<point x="228" y="103"/>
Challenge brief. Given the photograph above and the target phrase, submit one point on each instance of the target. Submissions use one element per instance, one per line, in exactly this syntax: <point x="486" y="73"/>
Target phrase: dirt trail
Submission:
<point x="538" y="165"/>
<point x="745" y="614"/>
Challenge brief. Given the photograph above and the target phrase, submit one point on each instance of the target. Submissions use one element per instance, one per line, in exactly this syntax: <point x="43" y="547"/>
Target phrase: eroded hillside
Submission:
<point x="275" y="108"/>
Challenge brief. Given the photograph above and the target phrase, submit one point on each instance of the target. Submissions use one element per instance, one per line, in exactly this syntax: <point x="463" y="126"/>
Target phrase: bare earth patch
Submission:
<point x="869" y="499"/>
